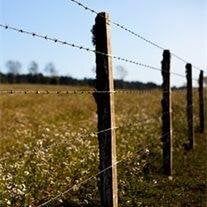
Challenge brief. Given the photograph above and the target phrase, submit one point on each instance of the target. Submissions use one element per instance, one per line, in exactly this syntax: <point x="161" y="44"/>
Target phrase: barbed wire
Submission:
<point x="133" y="33"/>
<point x="52" y="91"/>
<point x="56" y="40"/>
<point x="91" y="92"/>
<point x="75" y="91"/>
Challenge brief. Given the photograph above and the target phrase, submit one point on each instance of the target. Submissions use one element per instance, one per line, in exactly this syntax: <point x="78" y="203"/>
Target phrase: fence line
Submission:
<point x="82" y="92"/>
<point x="137" y="91"/>
<point x="106" y="93"/>
<point x="80" y="47"/>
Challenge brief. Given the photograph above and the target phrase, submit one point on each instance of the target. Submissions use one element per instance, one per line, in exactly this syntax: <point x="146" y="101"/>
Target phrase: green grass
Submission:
<point x="47" y="146"/>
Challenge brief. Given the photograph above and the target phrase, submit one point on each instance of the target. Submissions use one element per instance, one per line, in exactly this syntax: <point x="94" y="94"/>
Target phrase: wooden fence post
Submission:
<point x="201" y="103"/>
<point x="106" y="115"/>
<point x="166" y="115"/>
<point x="189" y="106"/>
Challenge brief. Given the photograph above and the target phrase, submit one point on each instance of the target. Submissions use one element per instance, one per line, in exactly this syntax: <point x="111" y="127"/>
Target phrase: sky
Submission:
<point x="180" y="26"/>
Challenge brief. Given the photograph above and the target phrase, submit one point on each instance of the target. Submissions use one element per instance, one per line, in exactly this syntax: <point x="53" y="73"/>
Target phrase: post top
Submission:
<point x="188" y="66"/>
<point x="166" y="54"/>
<point x="103" y="15"/>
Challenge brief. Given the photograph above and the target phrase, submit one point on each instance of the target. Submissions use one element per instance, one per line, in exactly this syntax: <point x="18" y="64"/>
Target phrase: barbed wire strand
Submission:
<point x="81" y="92"/>
<point x="20" y="91"/>
<point x="133" y="33"/>
<point x="55" y="40"/>
<point x="26" y="91"/>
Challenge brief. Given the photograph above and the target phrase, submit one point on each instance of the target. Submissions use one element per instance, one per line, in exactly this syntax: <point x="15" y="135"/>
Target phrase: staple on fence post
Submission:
<point x="201" y="103"/>
<point x="106" y="115"/>
<point x="189" y="106"/>
<point x="166" y="115"/>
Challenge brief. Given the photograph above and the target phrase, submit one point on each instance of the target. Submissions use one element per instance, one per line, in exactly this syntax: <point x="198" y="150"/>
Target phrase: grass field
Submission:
<point x="48" y="146"/>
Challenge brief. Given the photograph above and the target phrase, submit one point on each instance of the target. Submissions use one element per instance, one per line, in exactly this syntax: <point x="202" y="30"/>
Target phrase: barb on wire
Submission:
<point x="85" y="7"/>
<point x="131" y="32"/>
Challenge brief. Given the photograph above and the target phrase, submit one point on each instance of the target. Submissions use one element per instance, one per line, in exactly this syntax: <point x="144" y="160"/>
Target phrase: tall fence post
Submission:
<point x="201" y="103"/>
<point x="166" y="115"/>
<point x="189" y="106"/>
<point x="106" y="115"/>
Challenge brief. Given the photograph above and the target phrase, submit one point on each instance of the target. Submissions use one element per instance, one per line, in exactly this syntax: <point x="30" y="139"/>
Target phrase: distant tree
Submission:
<point x="121" y="72"/>
<point x="33" y="68"/>
<point x="13" y="67"/>
<point x="51" y="70"/>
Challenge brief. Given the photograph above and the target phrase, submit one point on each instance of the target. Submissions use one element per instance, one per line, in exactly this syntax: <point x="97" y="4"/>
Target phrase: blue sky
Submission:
<point x="174" y="24"/>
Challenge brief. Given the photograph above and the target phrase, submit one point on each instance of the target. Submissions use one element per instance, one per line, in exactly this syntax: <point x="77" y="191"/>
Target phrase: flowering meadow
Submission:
<point x="49" y="148"/>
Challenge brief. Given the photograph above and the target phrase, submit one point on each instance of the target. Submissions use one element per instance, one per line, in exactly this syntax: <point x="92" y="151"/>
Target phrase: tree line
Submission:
<point x="34" y="76"/>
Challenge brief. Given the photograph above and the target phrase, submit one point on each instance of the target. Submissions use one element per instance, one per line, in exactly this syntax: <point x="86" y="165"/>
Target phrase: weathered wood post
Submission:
<point x="105" y="110"/>
<point x="190" y="106"/>
<point x="166" y="115"/>
<point x="201" y="103"/>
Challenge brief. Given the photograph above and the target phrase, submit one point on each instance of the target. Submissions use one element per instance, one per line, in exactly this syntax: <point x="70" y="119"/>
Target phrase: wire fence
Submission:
<point x="109" y="92"/>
